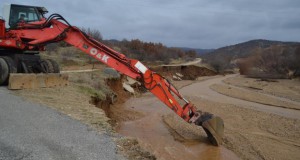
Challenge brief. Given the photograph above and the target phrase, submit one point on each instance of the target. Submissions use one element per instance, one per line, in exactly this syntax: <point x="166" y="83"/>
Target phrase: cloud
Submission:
<point x="193" y="23"/>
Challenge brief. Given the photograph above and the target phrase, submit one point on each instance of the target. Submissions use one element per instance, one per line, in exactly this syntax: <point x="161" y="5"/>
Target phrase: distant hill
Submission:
<point x="199" y="51"/>
<point x="225" y="57"/>
<point x="185" y="49"/>
<point x="241" y="50"/>
<point x="150" y="51"/>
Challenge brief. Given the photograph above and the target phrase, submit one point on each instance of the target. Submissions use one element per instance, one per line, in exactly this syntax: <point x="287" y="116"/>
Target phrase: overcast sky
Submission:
<point x="179" y="23"/>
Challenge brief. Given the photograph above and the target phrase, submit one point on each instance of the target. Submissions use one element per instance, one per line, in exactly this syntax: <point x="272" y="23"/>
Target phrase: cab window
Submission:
<point x="25" y="13"/>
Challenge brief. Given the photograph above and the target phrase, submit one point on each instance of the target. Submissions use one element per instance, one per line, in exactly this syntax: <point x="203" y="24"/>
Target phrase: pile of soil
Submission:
<point x="182" y="131"/>
<point x="189" y="72"/>
<point x="116" y="85"/>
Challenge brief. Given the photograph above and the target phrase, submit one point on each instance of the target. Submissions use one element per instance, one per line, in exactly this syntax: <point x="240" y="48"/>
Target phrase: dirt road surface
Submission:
<point x="252" y="130"/>
<point x="195" y="62"/>
<point x="32" y="131"/>
<point x="203" y="90"/>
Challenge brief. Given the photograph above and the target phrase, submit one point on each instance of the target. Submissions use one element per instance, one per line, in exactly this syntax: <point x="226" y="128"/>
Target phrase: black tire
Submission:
<point x="11" y="64"/>
<point x="44" y="66"/>
<point x="55" y="66"/>
<point x="4" y="71"/>
<point x="12" y="68"/>
<point x="24" y="67"/>
<point x="50" y="66"/>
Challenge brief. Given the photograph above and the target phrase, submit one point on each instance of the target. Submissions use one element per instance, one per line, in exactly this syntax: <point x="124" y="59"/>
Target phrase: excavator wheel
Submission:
<point x="213" y="126"/>
<point x="4" y="71"/>
<point x="54" y="65"/>
<point x="46" y="66"/>
<point x="11" y="67"/>
<point x="49" y="66"/>
<point x="11" y="64"/>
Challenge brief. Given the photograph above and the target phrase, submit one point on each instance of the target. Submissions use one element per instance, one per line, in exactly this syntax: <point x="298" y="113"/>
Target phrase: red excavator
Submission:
<point x="25" y="31"/>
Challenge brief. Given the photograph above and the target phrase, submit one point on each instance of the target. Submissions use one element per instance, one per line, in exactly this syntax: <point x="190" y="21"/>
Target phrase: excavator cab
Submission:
<point x="14" y="14"/>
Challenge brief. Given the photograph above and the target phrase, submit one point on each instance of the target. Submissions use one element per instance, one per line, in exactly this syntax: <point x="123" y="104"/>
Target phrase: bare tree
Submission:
<point x="96" y="34"/>
<point x="275" y="61"/>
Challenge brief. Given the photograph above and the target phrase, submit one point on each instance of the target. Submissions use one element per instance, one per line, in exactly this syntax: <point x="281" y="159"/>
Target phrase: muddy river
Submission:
<point x="155" y="135"/>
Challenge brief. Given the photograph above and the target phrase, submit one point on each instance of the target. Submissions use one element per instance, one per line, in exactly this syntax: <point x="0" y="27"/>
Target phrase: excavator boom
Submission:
<point x="56" y="28"/>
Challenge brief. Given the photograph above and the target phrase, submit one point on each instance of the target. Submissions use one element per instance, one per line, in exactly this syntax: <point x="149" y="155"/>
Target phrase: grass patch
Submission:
<point x="92" y="92"/>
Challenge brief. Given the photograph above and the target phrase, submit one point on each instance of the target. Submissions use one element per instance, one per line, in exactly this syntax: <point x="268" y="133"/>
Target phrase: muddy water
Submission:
<point x="155" y="136"/>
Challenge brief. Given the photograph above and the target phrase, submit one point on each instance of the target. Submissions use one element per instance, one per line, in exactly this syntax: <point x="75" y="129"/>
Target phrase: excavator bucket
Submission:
<point x="31" y="81"/>
<point x="212" y="125"/>
<point x="214" y="129"/>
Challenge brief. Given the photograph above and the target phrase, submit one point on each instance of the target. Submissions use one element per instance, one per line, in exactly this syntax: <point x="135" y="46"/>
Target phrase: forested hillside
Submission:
<point x="261" y="57"/>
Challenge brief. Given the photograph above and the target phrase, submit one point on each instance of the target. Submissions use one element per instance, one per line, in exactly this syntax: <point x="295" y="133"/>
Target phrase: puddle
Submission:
<point x="153" y="134"/>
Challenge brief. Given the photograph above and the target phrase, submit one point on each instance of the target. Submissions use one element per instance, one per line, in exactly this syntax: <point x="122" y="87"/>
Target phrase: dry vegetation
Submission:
<point x="147" y="52"/>
<point x="273" y="62"/>
<point x="70" y="101"/>
<point x="68" y="56"/>
<point x="75" y="99"/>
<point x="258" y="58"/>
<point x="151" y="52"/>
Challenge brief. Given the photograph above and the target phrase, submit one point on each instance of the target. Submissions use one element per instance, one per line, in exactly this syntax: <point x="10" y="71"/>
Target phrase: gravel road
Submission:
<point x="203" y="90"/>
<point x="33" y="131"/>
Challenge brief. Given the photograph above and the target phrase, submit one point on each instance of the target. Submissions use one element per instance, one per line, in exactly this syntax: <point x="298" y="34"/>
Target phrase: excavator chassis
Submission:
<point x="26" y="70"/>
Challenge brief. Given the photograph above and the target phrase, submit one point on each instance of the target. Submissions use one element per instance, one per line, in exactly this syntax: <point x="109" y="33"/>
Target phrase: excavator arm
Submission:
<point x="56" y="29"/>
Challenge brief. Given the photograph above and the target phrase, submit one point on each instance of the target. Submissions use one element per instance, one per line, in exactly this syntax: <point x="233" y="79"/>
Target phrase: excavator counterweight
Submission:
<point x="30" y="31"/>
